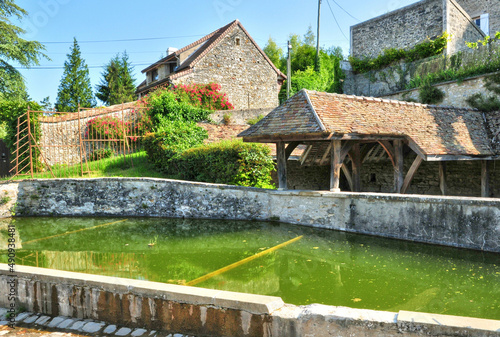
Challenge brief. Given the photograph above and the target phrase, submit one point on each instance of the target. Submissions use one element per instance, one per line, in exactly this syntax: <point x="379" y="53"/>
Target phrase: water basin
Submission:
<point x="300" y="264"/>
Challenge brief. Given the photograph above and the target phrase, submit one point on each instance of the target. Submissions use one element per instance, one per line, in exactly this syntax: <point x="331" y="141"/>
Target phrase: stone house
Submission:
<point x="465" y="20"/>
<point x="228" y="56"/>
<point x="365" y="144"/>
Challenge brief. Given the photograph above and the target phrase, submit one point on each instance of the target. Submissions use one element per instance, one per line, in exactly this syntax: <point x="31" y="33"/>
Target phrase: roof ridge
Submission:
<point x="390" y="101"/>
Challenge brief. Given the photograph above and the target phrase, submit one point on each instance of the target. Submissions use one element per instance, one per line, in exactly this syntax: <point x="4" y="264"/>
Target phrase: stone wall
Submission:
<point x="463" y="177"/>
<point x="461" y="222"/>
<point x="402" y="28"/>
<point x="461" y="28"/>
<point x="173" y="309"/>
<point x="246" y="77"/>
<point x="477" y="7"/>
<point x="456" y="92"/>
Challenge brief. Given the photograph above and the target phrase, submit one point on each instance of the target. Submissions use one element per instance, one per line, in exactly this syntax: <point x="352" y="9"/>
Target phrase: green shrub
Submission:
<point x="430" y="95"/>
<point x="228" y="162"/>
<point x="255" y="120"/>
<point x="99" y="154"/>
<point x="170" y="140"/>
<point x="163" y="102"/>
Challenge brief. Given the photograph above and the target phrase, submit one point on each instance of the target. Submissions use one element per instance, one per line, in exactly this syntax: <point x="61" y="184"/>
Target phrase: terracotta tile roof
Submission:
<point x="434" y="130"/>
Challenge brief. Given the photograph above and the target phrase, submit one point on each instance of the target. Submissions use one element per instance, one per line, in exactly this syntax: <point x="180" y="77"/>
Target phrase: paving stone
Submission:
<point x="92" y="327"/>
<point x="152" y="332"/>
<point x="42" y="320"/>
<point x="4" y="323"/>
<point x="139" y="332"/>
<point x="123" y="332"/>
<point x="66" y="323"/>
<point x="23" y="316"/>
<point x="3" y="313"/>
<point x="77" y="325"/>
<point x="110" y="329"/>
<point x="31" y="319"/>
<point x="56" y="321"/>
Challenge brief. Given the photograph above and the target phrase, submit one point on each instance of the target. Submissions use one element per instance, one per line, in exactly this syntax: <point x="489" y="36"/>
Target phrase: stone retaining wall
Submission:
<point x="171" y="308"/>
<point x="461" y="222"/>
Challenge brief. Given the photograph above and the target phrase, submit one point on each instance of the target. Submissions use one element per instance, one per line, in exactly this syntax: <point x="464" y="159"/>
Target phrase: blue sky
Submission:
<point x="159" y="24"/>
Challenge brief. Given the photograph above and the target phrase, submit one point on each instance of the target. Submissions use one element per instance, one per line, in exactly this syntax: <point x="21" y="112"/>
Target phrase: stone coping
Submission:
<point x="406" y="321"/>
<point x="255" y="304"/>
<point x="419" y="198"/>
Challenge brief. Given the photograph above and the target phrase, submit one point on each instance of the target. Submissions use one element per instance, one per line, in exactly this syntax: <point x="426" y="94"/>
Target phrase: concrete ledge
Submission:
<point x="255" y="304"/>
<point x="198" y="311"/>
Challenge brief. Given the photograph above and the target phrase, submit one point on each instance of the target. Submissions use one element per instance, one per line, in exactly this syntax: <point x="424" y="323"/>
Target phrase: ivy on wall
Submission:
<point x="420" y="51"/>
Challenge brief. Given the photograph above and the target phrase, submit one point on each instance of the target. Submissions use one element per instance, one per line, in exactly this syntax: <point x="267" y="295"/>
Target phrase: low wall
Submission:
<point x="204" y="312"/>
<point x="454" y="221"/>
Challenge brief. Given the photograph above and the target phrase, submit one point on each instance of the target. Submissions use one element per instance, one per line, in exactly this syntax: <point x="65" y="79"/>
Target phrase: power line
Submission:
<point x="346" y="11"/>
<point x="62" y="67"/>
<point x="331" y="10"/>
<point x="122" y="40"/>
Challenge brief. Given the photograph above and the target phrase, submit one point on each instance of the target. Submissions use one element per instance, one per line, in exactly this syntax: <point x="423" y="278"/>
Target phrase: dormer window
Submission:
<point x="237" y="41"/>
<point x="154" y="75"/>
<point x="172" y="67"/>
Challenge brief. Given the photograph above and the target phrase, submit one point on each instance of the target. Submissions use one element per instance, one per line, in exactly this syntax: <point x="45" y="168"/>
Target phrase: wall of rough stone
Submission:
<point x="398" y="29"/>
<point x="456" y="92"/>
<point x="461" y="222"/>
<point x="463" y="177"/>
<point x="171" y="309"/>
<point x="461" y="28"/>
<point x="477" y="7"/>
<point x="244" y="74"/>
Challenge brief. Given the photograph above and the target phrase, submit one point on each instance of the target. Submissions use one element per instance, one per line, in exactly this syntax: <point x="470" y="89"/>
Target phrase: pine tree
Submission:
<point x="117" y="85"/>
<point x="75" y="88"/>
<point x="14" y="48"/>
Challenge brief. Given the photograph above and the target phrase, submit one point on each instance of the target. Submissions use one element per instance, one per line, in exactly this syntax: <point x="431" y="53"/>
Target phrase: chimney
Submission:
<point x="171" y="50"/>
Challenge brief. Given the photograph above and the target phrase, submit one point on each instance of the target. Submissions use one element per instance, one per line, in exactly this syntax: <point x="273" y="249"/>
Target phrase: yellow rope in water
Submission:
<point x="78" y="230"/>
<point x="239" y="263"/>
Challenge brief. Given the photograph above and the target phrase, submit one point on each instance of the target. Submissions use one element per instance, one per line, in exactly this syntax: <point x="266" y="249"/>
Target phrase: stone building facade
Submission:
<point x="398" y="29"/>
<point x="229" y="57"/>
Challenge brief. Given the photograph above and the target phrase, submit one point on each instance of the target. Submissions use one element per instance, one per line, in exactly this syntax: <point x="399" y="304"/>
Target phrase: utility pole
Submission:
<point x="317" y="37"/>
<point x="288" y="71"/>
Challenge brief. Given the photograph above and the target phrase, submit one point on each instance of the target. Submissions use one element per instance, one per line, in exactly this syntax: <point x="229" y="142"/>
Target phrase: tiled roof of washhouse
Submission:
<point x="433" y="130"/>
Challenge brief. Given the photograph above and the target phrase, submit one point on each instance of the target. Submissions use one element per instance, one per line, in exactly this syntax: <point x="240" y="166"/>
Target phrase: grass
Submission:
<point x="134" y="165"/>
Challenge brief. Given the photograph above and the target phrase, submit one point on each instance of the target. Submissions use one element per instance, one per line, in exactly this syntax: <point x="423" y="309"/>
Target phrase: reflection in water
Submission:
<point x="324" y="266"/>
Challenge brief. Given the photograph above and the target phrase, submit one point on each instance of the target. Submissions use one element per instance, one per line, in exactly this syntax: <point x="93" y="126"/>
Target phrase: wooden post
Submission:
<point x="398" y="166"/>
<point x="356" y="168"/>
<point x="485" y="179"/>
<point x="442" y="178"/>
<point x="281" y="158"/>
<point x="336" y="165"/>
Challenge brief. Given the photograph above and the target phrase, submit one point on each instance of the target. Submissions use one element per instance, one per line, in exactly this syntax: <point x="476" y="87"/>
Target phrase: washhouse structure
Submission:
<point x="381" y="145"/>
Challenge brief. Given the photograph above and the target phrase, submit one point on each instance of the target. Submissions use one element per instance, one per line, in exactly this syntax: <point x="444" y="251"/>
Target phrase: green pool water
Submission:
<point x="324" y="266"/>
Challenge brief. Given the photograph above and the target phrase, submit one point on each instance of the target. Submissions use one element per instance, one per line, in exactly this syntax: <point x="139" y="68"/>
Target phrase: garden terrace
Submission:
<point x="335" y="127"/>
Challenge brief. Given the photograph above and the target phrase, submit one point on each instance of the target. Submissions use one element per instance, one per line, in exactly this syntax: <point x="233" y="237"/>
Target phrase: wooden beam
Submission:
<point x="281" y="156"/>
<point x="485" y="179"/>
<point x="355" y="155"/>
<point x="398" y="166"/>
<point x="442" y="178"/>
<point x="305" y="154"/>
<point x="327" y="152"/>
<point x="289" y="149"/>
<point x="346" y="148"/>
<point x="336" y="164"/>
<point x="390" y="150"/>
<point x="348" y="176"/>
<point x="411" y="173"/>
<point x="366" y="150"/>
